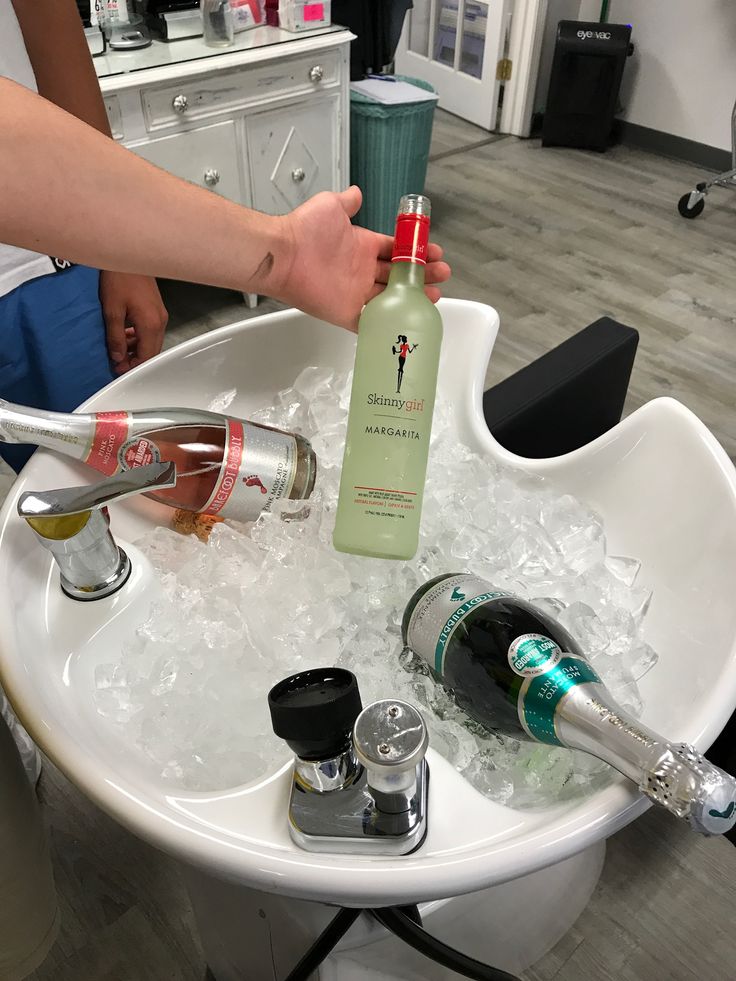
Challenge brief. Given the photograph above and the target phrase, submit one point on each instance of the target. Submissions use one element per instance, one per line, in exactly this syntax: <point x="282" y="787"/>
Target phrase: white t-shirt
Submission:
<point x="17" y="266"/>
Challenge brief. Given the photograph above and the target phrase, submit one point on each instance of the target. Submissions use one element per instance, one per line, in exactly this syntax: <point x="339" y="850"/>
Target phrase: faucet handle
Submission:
<point x="88" y="497"/>
<point x="391" y="739"/>
<point x="74" y="526"/>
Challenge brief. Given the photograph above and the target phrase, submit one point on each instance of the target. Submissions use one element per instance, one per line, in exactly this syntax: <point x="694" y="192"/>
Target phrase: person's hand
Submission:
<point x="337" y="267"/>
<point x="135" y="318"/>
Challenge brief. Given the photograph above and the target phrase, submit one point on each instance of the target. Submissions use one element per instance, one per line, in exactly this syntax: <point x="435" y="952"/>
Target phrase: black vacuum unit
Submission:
<point x="583" y="88"/>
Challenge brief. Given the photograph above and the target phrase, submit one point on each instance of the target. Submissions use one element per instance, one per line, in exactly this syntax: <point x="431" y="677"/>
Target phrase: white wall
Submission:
<point x="682" y="76"/>
<point x="558" y="10"/>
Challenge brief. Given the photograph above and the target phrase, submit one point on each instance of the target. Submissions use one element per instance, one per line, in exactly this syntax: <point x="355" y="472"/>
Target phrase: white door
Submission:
<point x="456" y="46"/>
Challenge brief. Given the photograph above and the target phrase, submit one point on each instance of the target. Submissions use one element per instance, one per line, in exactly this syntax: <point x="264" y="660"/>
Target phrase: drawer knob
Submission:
<point x="211" y="177"/>
<point x="180" y="103"/>
<point x="298" y="175"/>
<point x="317" y="73"/>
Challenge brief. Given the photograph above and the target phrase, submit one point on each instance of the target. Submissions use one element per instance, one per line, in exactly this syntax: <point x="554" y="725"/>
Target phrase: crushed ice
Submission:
<point x="260" y="602"/>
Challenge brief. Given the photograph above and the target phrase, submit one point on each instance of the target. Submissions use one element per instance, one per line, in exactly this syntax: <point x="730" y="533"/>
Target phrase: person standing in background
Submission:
<point x="65" y="330"/>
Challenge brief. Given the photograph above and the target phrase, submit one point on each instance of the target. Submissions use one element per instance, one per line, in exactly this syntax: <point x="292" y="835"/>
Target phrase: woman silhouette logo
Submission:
<point x="402" y="348"/>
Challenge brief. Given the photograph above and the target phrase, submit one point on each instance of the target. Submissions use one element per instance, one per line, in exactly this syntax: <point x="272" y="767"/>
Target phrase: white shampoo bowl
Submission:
<point x="667" y="493"/>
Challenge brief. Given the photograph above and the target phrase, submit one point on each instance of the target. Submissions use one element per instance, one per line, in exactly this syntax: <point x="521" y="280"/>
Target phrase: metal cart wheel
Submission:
<point x="691" y="205"/>
<point x="688" y="210"/>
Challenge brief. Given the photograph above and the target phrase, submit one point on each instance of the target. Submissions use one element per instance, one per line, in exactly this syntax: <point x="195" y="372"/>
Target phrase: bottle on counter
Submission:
<point x="517" y="671"/>
<point x="218" y="25"/>
<point x="391" y="403"/>
<point x="225" y="466"/>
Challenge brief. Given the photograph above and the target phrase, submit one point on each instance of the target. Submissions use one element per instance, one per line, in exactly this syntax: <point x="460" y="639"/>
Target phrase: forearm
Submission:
<point x="55" y="179"/>
<point x="54" y="39"/>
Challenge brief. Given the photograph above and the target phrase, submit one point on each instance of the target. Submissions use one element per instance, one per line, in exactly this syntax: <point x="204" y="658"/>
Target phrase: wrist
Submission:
<point x="271" y="269"/>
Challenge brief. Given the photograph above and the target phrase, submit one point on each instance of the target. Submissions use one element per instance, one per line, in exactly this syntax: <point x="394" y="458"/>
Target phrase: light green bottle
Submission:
<point x="391" y="403"/>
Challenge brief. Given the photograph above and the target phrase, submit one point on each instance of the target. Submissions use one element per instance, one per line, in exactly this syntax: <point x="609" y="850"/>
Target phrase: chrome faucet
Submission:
<point x="74" y="525"/>
<point x="360" y="776"/>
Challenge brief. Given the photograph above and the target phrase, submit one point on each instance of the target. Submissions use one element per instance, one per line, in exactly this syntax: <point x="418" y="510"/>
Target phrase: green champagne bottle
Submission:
<point x="391" y="403"/>
<point x="517" y="671"/>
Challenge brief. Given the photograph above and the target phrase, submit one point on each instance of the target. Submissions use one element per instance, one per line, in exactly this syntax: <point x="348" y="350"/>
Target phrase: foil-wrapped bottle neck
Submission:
<point x="677" y="777"/>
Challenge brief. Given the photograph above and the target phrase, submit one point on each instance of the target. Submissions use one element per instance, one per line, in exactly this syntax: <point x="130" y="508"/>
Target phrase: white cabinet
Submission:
<point x="207" y="156"/>
<point x="264" y="123"/>
<point x="293" y="153"/>
<point x="228" y="91"/>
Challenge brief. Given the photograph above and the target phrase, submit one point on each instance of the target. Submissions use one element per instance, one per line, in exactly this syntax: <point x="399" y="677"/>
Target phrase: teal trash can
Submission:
<point x="389" y="150"/>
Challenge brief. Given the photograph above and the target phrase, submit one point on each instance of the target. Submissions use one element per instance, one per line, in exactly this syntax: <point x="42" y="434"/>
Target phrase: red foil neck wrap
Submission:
<point x="411" y="239"/>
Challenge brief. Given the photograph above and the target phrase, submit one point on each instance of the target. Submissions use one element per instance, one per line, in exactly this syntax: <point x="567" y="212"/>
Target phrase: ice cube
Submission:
<point x="314" y="381"/>
<point x="220" y="403"/>
<point x="624" y="568"/>
<point x="586" y="627"/>
<point x="533" y="554"/>
<point x="639" y="659"/>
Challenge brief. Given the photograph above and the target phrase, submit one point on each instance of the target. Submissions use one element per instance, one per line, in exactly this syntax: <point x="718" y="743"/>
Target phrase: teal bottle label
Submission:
<point x="549" y="674"/>
<point x="440" y="611"/>
<point x="533" y="654"/>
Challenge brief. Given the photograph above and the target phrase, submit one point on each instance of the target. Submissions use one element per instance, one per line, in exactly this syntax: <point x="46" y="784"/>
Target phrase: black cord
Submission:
<point x="412" y="912"/>
<point x="324" y="944"/>
<point x="407" y="930"/>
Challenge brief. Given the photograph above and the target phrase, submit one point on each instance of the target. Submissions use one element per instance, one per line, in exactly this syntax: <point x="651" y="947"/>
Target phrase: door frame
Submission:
<point x="525" y="49"/>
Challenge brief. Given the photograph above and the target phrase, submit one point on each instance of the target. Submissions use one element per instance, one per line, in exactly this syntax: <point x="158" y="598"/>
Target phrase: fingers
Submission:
<point x="383" y="269"/>
<point x="149" y="332"/>
<point x="384" y="246"/>
<point x="351" y="200"/>
<point x="434" y="272"/>
<point x="384" y="249"/>
<point x="437" y="272"/>
<point x="117" y="345"/>
<point x="130" y="344"/>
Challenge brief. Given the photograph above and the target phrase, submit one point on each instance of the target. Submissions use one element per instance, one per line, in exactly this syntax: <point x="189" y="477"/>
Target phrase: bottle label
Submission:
<point x="389" y="427"/>
<point x="440" y="611"/>
<point x="259" y="467"/>
<point x="549" y="674"/>
<point x="116" y="446"/>
<point x="533" y="654"/>
<point x="411" y="239"/>
<point x="110" y="443"/>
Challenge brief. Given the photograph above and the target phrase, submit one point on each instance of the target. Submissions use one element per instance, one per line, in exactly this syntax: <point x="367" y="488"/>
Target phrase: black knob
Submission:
<point x="314" y="711"/>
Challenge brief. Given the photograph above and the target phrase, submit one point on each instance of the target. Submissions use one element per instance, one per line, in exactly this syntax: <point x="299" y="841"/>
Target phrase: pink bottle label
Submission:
<point x="111" y="434"/>
<point x="314" y="11"/>
<point x="259" y="467"/>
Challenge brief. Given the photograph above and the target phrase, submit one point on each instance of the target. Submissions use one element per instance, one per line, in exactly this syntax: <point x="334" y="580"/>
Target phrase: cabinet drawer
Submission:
<point x="114" y="116"/>
<point x="206" y="156"/>
<point x="293" y="153"/>
<point x="194" y="98"/>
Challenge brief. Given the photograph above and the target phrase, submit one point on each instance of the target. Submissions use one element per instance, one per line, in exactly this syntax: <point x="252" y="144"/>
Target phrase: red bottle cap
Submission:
<point x="412" y="229"/>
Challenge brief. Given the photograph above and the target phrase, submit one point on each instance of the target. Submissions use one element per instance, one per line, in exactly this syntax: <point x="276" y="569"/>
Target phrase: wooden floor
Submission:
<point x="553" y="239"/>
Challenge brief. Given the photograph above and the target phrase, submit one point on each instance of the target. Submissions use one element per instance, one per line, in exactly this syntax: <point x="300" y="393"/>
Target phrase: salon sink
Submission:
<point x="667" y="493"/>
